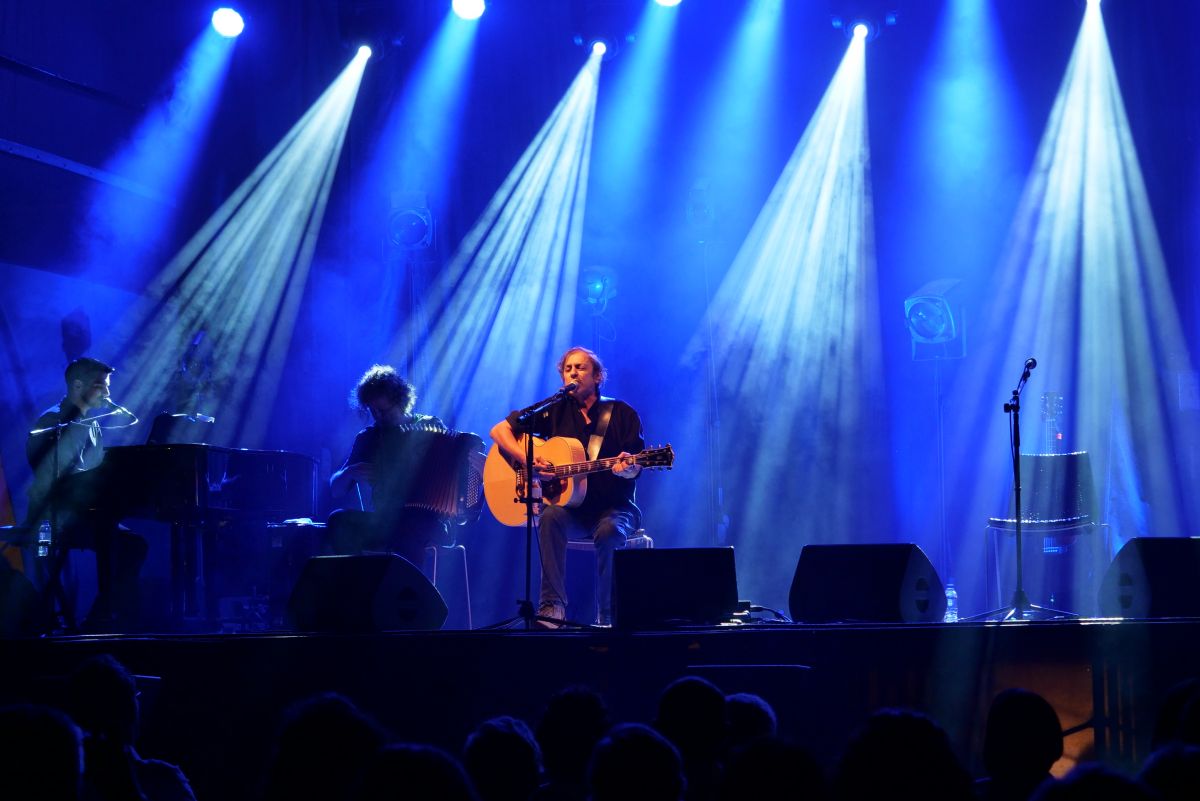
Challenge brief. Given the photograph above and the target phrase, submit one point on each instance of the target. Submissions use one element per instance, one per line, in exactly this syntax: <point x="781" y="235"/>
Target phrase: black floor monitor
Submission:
<point x="662" y="588"/>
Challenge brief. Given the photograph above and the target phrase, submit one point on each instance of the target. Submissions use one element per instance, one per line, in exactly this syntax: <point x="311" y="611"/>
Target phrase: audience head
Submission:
<point x="900" y="754"/>
<point x="322" y="747"/>
<point x="748" y="717"/>
<point x="691" y="714"/>
<point x="1023" y="738"/>
<point x="1173" y="772"/>
<point x="415" y="773"/>
<point x="44" y="752"/>
<point x="1179" y="715"/>
<point x="1093" y="783"/>
<point x="768" y="768"/>
<point x="102" y="698"/>
<point x="635" y="763"/>
<point x="574" y="721"/>
<point x="503" y="760"/>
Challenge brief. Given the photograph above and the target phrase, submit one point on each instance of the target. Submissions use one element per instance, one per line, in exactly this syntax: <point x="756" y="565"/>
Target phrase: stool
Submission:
<point x="639" y="540"/>
<point x="432" y="551"/>
<point x="1084" y="548"/>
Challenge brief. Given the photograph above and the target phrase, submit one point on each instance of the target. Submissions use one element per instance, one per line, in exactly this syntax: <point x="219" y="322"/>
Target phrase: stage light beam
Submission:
<point x="513" y="278"/>
<point x="794" y="321"/>
<point x="235" y="287"/>
<point x="1084" y="287"/>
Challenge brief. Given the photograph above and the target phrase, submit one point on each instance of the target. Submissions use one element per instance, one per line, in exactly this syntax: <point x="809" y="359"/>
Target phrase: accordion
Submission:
<point x="423" y="466"/>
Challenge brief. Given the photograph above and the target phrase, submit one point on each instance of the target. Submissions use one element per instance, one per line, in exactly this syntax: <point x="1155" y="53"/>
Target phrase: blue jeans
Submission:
<point x="608" y="532"/>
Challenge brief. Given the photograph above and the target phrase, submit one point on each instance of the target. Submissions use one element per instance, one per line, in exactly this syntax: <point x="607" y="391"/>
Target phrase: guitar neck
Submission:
<point x="583" y="468"/>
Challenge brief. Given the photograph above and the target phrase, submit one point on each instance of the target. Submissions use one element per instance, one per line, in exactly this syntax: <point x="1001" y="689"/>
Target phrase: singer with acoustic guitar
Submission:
<point x="603" y="428"/>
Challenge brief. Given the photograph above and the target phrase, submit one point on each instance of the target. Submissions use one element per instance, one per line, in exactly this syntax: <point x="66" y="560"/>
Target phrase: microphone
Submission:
<point x="119" y="407"/>
<point x="563" y="390"/>
<point x="1030" y="363"/>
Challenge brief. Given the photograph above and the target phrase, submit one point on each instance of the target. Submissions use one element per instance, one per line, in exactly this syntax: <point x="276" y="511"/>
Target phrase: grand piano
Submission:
<point x="198" y="489"/>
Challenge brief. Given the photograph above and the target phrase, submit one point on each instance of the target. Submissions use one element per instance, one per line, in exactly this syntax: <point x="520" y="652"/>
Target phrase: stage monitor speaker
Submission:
<point x="374" y="592"/>
<point x="664" y="588"/>
<point x="885" y="583"/>
<point x="1153" y="577"/>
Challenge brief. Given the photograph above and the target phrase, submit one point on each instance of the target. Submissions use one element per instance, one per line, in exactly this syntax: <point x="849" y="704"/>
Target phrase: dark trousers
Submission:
<point x="609" y="532"/>
<point x="120" y="554"/>
<point x="407" y="533"/>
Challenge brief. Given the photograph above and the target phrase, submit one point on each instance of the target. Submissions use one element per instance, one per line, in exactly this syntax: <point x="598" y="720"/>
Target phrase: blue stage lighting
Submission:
<point x="364" y="51"/>
<point x="227" y="22"/>
<point x="599" y="47"/>
<point x="861" y="30"/>
<point x="469" y="9"/>
<point x="668" y="3"/>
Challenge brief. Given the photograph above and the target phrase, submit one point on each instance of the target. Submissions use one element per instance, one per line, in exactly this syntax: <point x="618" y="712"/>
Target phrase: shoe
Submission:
<point x="548" y="614"/>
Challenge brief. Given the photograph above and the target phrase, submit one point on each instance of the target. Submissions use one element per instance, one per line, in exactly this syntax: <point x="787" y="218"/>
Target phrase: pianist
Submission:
<point x="65" y="441"/>
<point x="382" y="466"/>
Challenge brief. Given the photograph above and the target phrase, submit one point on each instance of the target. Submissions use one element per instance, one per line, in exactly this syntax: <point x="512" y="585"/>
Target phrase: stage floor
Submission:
<point x="214" y="702"/>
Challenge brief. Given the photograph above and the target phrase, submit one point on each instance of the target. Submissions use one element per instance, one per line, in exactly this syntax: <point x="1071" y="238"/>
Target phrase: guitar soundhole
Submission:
<point x="551" y="489"/>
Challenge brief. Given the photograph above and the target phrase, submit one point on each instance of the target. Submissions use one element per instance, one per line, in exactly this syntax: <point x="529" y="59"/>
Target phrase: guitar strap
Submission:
<point x="593" y="448"/>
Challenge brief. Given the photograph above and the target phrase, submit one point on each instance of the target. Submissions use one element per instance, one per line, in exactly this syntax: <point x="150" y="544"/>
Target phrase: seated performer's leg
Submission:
<point x="554" y="527"/>
<point x="350" y="531"/>
<point x="120" y="554"/>
<point x="413" y="532"/>
<point x="610" y="533"/>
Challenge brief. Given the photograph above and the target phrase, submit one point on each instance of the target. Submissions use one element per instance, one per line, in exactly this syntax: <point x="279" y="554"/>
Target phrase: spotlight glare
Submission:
<point x="469" y="9"/>
<point x="861" y="30"/>
<point x="668" y="3"/>
<point x="227" y="22"/>
<point x="364" y="52"/>
<point x="599" y="48"/>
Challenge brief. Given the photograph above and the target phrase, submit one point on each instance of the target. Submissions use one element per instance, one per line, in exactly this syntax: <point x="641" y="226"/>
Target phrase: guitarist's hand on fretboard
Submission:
<point x="626" y="466"/>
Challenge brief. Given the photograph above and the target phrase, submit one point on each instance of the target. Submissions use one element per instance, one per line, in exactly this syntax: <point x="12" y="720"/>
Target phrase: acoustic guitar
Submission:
<point x="503" y="484"/>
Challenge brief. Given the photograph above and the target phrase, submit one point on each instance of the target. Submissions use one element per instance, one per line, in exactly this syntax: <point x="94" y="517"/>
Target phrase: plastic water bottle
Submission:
<point x="951" y="604"/>
<point x="45" y="539"/>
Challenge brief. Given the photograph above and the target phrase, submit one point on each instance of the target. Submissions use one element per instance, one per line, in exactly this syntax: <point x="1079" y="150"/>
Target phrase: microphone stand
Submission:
<point x="1020" y="608"/>
<point x="531" y="496"/>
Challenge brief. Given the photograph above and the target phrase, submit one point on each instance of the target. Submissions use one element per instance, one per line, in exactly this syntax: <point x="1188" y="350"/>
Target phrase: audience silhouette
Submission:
<point x="574" y="721"/>
<point x="1022" y="741"/>
<point x="748" y="718"/>
<point x="503" y="760"/>
<point x="635" y="763"/>
<point x="1094" y="783"/>
<point x="691" y="714"/>
<point x="415" y="773"/>
<point x="322" y="750"/>
<point x="900" y="754"/>
<point x="102" y="697"/>
<point x="42" y="752"/>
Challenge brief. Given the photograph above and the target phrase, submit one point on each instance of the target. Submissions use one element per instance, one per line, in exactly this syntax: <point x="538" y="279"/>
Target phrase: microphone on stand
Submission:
<point x="1030" y="363"/>
<point x="567" y="388"/>
<point x="120" y="408"/>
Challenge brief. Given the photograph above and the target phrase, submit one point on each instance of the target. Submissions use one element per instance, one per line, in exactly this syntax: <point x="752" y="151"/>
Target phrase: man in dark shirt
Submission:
<point x="383" y="462"/>
<point x="608" y="514"/>
<point x="65" y="441"/>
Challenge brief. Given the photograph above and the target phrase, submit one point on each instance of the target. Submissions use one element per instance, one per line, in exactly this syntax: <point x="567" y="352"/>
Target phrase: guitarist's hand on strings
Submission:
<point x="626" y="466"/>
<point x="542" y="468"/>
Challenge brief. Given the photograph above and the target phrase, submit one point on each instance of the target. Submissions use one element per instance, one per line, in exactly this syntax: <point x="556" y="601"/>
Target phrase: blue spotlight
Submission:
<point x="227" y="22"/>
<point x="861" y="30"/>
<point x="364" y="52"/>
<point x="469" y="9"/>
<point x="599" y="47"/>
<point x="668" y="3"/>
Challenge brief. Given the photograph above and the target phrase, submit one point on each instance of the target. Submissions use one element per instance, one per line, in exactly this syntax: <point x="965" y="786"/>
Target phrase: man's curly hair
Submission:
<point x="382" y="381"/>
